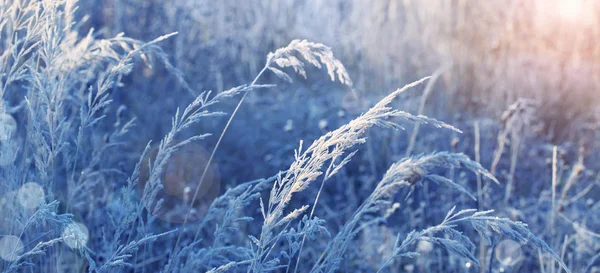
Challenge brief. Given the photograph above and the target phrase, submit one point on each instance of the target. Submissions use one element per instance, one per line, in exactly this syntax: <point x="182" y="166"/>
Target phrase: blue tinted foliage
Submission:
<point x="214" y="141"/>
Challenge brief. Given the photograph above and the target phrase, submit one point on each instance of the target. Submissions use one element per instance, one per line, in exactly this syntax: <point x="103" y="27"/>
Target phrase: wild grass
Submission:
<point x="78" y="196"/>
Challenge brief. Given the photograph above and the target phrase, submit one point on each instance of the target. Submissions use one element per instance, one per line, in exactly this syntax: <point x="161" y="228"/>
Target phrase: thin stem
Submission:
<point x="196" y="191"/>
<point x="387" y="262"/>
<point x="554" y="181"/>
<point x="428" y="88"/>
<point x="514" y="154"/>
<point x="480" y="201"/>
<point x="214" y="151"/>
<point x="262" y="252"/>
<point x="312" y="211"/>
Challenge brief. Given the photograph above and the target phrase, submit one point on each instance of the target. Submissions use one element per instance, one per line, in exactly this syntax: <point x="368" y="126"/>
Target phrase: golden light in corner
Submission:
<point x="575" y="11"/>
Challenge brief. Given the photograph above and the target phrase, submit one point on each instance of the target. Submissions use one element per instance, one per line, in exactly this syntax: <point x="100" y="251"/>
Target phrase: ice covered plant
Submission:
<point x="406" y="173"/>
<point x="517" y="118"/>
<point x="307" y="168"/>
<point x="447" y="236"/>
<point x="193" y="113"/>
<point x="64" y="80"/>
<point x="313" y="53"/>
<point x="57" y="86"/>
<point x="217" y="228"/>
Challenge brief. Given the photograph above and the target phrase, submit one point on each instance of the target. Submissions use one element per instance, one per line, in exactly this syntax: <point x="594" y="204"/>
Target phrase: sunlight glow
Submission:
<point x="572" y="10"/>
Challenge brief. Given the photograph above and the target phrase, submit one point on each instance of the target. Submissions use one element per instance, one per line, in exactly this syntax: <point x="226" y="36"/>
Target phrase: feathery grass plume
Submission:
<point x="308" y="228"/>
<point x="283" y="57"/>
<point x="46" y="215"/>
<point x="125" y="252"/>
<point x="59" y="67"/>
<point x="446" y="235"/>
<point x="61" y="80"/>
<point x="43" y="50"/>
<point x="236" y="197"/>
<point x="227" y="267"/>
<point x="24" y="18"/>
<point x="308" y="164"/>
<point x="118" y="252"/>
<point x="40" y="249"/>
<point x="405" y="173"/>
<point x="224" y="214"/>
<point x="193" y="113"/>
<point x="516" y="119"/>
<point x="314" y="53"/>
<point x="67" y="81"/>
<point x="576" y="172"/>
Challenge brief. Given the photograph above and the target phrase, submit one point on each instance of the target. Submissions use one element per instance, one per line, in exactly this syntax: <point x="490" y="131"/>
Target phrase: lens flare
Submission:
<point x="180" y="181"/>
<point x="424" y="247"/>
<point x="10" y="248"/>
<point x="508" y="252"/>
<point x="76" y="235"/>
<point x="8" y="127"/>
<point x="31" y="195"/>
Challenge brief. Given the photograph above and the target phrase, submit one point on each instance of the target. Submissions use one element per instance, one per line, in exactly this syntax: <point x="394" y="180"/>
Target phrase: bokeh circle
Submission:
<point x="8" y="127"/>
<point x="509" y="252"/>
<point x="11" y="247"/>
<point x="31" y="195"/>
<point x="76" y="235"/>
<point x="180" y="178"/>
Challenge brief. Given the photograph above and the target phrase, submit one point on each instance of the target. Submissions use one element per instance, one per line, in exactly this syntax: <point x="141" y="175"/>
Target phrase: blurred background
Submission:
<point x="518" y="77"/>
<point x="487" y="54"/>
